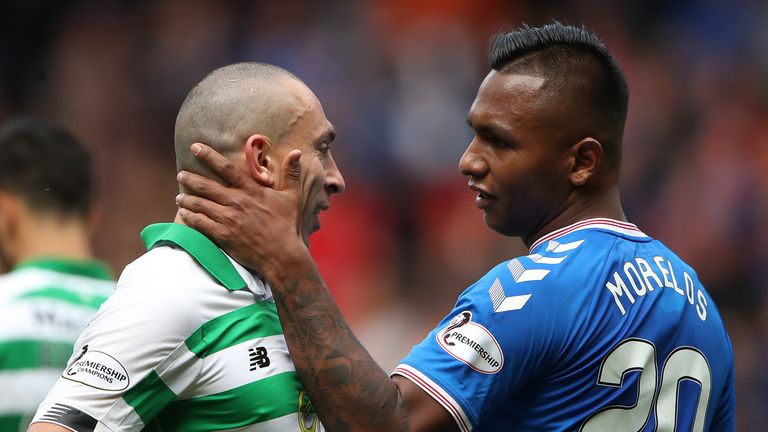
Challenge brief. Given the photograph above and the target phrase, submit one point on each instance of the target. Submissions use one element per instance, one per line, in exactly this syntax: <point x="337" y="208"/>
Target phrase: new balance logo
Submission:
<point x="259" y="358"/>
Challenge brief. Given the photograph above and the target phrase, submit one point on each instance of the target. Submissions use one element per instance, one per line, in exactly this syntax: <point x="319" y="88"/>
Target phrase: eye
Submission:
<point x="324" y="148"/>
<point x="494" y="141"/>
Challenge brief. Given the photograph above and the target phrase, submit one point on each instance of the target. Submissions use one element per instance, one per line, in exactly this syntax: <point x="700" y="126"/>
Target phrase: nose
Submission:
<point x="334" y="182"/>
<point x="471" y="162"/>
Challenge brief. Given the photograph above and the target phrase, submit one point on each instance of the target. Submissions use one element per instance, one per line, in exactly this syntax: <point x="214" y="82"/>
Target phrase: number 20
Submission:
<point x="637" y="354"/>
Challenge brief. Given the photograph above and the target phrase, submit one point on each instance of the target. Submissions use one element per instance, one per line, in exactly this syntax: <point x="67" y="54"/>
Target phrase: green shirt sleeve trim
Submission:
<point x="89" y="268"/>
<point x="202" y="249"/>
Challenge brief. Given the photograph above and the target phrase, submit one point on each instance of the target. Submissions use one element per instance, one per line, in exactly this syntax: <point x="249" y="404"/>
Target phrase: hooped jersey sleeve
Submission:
<point x="491" y="344"/>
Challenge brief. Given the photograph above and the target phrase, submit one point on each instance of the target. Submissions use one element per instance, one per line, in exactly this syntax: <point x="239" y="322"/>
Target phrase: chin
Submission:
<point x="500" y="227"/>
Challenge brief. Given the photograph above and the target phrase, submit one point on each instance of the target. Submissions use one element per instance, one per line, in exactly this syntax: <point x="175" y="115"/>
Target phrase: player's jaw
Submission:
<point x="318" y="202"/>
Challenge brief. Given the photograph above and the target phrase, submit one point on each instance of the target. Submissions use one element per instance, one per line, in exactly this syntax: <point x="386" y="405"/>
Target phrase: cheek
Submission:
<point x="313" y="179"/>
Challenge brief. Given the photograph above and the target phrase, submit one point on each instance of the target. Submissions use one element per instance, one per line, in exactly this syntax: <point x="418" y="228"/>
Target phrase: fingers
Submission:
<point x="223" y="166"/>
<point x="209" y="209"/>
<point x="204" y="187"/>
<point x="200" y="222"/>
<point x="291" y="172"/>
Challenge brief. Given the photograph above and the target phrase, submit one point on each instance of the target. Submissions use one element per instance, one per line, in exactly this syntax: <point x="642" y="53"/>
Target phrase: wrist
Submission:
<point x="290" y="263"/>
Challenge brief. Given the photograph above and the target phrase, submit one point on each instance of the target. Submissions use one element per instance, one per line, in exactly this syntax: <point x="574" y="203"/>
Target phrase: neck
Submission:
<point x="51" y="236"/>
<point x="605" y="205"/>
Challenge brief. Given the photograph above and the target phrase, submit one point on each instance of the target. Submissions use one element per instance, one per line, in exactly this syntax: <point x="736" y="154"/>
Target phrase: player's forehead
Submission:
<point x="505" y="97"/>
<point x="311" y="121"/>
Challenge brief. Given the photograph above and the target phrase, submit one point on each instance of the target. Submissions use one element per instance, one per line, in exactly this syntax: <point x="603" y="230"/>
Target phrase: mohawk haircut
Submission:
<point x="46" y="166"/>
<point x="508" y="46"/>
<point x="571" y="56"/>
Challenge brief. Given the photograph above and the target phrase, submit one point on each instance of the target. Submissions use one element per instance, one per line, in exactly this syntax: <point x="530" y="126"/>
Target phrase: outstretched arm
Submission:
<point x="258" y="226"/>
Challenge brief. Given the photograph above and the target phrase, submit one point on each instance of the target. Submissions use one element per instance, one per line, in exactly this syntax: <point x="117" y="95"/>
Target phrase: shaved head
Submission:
<point x="234" y="102"/>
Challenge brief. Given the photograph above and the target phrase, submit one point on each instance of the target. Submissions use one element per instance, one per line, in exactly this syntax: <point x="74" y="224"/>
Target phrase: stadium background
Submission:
<point x="396" y="77"/>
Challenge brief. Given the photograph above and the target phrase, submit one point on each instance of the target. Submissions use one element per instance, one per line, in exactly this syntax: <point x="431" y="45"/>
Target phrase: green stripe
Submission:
<point x="251" y="322"/>
<point x="12" y="423"/>
<point x="149" y="397"/>
<point x="92" y="301"/>
<point x="29" y="354"/>
<point x="89" y="268"/>
<point x="259" y="401"/>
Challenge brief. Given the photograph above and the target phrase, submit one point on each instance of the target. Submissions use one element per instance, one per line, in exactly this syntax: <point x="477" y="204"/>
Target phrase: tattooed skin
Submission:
<point x="331" y="362"/>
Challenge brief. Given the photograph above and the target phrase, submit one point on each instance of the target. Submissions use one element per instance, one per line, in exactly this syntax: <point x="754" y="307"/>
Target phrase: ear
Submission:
<point x="587" y="157"/>
<point x="258" y="158"/>
<point x="9" y="227"/>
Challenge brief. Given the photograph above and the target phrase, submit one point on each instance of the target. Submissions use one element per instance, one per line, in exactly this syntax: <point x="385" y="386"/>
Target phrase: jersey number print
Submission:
<point x="684" y="363"/>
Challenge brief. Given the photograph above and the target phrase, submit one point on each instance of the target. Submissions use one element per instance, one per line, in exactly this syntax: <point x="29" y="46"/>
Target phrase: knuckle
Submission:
<point x="202" y="187"/>
<point x="227" y="166"/>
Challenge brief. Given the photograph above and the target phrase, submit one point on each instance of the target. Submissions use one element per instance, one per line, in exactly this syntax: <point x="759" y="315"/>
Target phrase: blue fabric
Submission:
<point x="554" y="345"/>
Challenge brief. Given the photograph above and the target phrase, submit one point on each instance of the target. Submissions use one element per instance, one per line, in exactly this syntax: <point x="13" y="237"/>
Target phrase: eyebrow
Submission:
<point x="327" y="136"/>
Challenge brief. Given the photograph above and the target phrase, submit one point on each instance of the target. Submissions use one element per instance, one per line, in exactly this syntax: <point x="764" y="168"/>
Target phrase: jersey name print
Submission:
<point x="644" y="277"/>
<point x="44" y="306"/>
<point x="599" y="328"/>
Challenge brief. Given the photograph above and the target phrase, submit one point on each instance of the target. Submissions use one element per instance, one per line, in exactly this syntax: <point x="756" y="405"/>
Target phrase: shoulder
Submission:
<point x="165" y="272"/>
<point x="18" y="282"/>
<point x="555" y="266"/>
<point x="165" y="289"/>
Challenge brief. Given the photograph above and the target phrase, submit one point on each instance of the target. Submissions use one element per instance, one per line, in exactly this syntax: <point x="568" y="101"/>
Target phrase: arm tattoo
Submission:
<point x="348" y="389"/>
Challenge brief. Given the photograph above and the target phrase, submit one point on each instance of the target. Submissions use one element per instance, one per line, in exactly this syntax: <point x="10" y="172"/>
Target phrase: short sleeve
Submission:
<point x="497" y="338"/>
<point x="131" y="360"/>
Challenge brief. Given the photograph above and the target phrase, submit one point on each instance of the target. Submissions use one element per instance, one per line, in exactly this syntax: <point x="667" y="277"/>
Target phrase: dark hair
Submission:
<point x="46" y="166"/>
<point x="568" y="54"/>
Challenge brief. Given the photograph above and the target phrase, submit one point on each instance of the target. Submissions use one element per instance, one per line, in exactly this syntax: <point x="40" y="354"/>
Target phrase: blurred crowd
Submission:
<point x="397" y="77"/>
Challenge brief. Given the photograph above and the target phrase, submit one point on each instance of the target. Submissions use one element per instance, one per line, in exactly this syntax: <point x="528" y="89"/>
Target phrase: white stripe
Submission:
<point x="565" y="247"/>
<point x="513" y="303"/>
<point x="437" y="392"/>
<point x="23" y="390"/>
<point x="44" y="320"/>
<point x="497" y="293"/>
<point x="230" y="368"/>
<point x="122" y="416"/>
<point x="516" y="268"/>
<point x="20" y="281"/>
<point x="532" y="275"/>
<point x="538" y="258"/>
<point x="520" y="274"/>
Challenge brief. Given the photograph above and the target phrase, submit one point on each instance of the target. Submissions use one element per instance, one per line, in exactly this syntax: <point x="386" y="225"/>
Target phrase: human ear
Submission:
<point x="587" y="157"/>
<point x="9" y="216"/>
<point x="258" y="158"/>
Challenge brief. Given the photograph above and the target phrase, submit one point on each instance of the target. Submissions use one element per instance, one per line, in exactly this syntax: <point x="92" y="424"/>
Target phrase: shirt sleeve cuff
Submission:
<point x="437" y="392"/>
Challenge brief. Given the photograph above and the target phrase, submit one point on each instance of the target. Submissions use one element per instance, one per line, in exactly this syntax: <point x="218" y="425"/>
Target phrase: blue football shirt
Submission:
<point x="600" y="328"/>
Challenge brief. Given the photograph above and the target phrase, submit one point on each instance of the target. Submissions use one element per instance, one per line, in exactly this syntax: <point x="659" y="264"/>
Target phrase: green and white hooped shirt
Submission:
<point x="44" y="306"/>
<point x="190" y="341"/>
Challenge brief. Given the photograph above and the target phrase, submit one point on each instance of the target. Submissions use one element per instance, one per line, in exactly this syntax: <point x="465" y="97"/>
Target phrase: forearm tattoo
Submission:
<point x="348" y="389"/>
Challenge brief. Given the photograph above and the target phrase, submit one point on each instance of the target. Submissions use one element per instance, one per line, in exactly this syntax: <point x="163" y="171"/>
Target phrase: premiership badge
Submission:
<point x="472" y="344"/>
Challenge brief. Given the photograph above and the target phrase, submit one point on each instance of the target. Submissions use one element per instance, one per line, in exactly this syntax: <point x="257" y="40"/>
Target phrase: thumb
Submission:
<point x="291" y="172"/>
